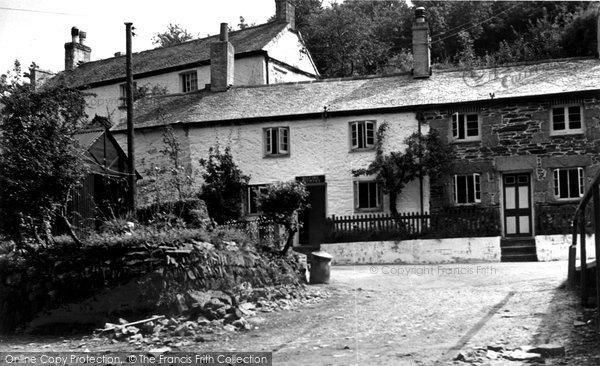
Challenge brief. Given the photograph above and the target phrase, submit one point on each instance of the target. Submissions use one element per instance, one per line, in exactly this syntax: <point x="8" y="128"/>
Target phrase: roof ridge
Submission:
<point x="518" y="63"/>
<point x="183" y="43"/>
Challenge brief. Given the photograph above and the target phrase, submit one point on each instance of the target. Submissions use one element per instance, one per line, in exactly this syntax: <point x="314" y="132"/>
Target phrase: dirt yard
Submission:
<point x="403" y="315"/>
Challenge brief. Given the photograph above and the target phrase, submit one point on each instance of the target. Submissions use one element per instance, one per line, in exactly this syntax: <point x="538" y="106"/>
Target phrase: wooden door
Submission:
<point x="517" y="205"/>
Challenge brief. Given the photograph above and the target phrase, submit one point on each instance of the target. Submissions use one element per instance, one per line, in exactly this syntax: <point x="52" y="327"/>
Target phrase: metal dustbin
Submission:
<point x="320" y="267"/>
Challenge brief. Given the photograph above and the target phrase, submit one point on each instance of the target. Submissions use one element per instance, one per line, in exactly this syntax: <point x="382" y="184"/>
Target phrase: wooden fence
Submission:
<point x="446" y="223"/>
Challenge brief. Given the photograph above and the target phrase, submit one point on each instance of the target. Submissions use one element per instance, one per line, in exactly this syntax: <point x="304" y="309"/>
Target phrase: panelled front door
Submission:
<point x="517" y="204"/>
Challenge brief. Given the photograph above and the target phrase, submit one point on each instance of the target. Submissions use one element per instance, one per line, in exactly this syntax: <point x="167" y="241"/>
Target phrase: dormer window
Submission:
<point x="189" y="81"/>
<point x="465" y="127"/>
<point x="566" y="120"/>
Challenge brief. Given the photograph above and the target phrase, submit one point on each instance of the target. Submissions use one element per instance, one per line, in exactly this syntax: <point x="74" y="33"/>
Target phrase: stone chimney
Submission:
<point x="75" y="51"/>
<point x="221" y="61"/>
<point x="285" y="12"/>
<point x="598" y="35"/>
<point x="420" y="45"/>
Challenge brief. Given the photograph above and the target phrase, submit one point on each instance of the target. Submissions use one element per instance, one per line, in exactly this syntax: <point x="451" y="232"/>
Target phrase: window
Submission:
<point x="123" y="93"/>
<point x="568" y="183"/>
<point x="566" y="120"/>
<point x="189" y="81"/>
<point x="467" y="189"/>
<point x="252" y="194"/>
<point x="465" y="127"/>
<point x="367" y="195"/>
<point x="277" y="141"/>
<point x="362" y="134"/>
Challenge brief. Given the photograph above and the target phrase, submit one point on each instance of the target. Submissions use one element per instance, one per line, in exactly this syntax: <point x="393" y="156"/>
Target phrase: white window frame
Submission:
<point x="248" y="199"/>
<point x="476" y="177"/>
<point x="282" y="138"/>
<point x="455" y="129"/>
<point x="366" y="142"/>
<point x="557" y="187"/>
<point x="378" y="196"/>
<point x="567" y="130"/>
<point x="189" y="81"/>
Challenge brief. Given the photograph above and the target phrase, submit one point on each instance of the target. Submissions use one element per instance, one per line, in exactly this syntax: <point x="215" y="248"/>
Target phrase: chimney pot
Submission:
<point x="82" y="36"/>
<point x="224" y="35"/>
<point x="74" y="34"/>
<point x="76" y="53"/>
<point x="118" y="54"/>
<point x="420" y="14"/>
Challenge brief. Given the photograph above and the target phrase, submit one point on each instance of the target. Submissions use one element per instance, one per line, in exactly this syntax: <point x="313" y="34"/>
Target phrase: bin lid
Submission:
<point x="322" y="254"/>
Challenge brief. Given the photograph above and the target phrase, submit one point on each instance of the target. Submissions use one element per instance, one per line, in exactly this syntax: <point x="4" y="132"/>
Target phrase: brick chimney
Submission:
<point x="221" y="61"/>
<point x="285" y="12"/>
<point x="75" y="51"/>
<point x="421" y="46"/>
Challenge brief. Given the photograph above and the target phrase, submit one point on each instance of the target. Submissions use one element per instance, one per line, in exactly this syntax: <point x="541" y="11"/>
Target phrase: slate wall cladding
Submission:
<point x="516" y="136"/>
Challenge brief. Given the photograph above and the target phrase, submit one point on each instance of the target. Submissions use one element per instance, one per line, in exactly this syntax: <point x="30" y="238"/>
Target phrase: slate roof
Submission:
<point x="355" y="94"/>
<point x="87" y="138"/>
<point x="194" y="51"/>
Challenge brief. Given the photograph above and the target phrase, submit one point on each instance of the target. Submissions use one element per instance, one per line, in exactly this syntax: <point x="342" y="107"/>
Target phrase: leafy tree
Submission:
<point x="424" y="155"/>
<point x="283" y="203"/>
<point x="223" y="185"/>
<point x="172" y="36"/>
<point x="39" y="159"/>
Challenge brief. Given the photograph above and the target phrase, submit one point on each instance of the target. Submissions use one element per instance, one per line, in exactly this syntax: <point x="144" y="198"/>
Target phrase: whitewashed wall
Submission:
<point x="317" y="147"/>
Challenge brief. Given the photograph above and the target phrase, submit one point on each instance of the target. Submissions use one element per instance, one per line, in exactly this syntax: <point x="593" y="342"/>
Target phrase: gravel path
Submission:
<point x="413" y="315"/>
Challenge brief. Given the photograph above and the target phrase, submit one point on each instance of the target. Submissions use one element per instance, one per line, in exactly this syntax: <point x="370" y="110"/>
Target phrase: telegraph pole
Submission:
<point x="130" y="131"/>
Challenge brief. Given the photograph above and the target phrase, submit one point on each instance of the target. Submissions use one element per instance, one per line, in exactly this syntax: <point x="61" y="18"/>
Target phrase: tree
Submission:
<point x="424" y="155"/>
<point x="40" y="161"/>
<point x="223" y="185"/>
<point x="283" y="203"/>
<point x="174" y="35"/>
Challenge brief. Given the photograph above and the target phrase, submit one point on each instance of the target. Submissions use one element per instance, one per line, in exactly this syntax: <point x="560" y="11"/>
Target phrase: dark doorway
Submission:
<point x="312" y="232"/>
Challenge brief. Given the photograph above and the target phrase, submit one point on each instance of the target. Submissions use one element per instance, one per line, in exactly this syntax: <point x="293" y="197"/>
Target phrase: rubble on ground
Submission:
<point x="501" y="352"/>
<point x="207" y="314"/>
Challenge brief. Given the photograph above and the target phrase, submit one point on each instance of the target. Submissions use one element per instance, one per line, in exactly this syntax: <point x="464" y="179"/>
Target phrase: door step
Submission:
<point x="518" y="250"/>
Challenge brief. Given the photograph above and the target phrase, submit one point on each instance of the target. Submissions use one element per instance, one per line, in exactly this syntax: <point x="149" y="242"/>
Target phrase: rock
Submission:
<point x="519" y="355"/>
<point x="230" y="318"/>
<point x="496" y="348"/>
<point x="462" y="356"/>
<point x="222" y="311"/>
<point x="159" y="351"/>
<point x="492" y="355"/>
<point x="578" y="323"/>
<point x="182" y="307"/>
<point x="241" y="324"/>
<point x="549" y="350"/>
<point x="229" y="328"/>
<point x="202" y="321"/>
<point x="213" y="304"/>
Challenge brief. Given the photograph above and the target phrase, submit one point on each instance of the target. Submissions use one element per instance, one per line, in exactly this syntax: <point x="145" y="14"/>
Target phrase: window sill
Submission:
<point x="567" y="200"/>
<point x="367" y="210"/>
<point x="465" y="141"/>
<point x="275" y="156"/>
<point x="467" y="204"/>
<point x="364" y="149"/>
<point x="568" y="133"/>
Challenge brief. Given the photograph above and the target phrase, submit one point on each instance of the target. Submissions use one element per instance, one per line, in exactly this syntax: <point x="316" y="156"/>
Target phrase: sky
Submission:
<point x="36" y="30"/>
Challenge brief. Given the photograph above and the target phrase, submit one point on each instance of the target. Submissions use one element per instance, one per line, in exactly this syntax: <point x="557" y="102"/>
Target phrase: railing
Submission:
<point x="579" y="230"/>
<point x="448" y="223"/>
